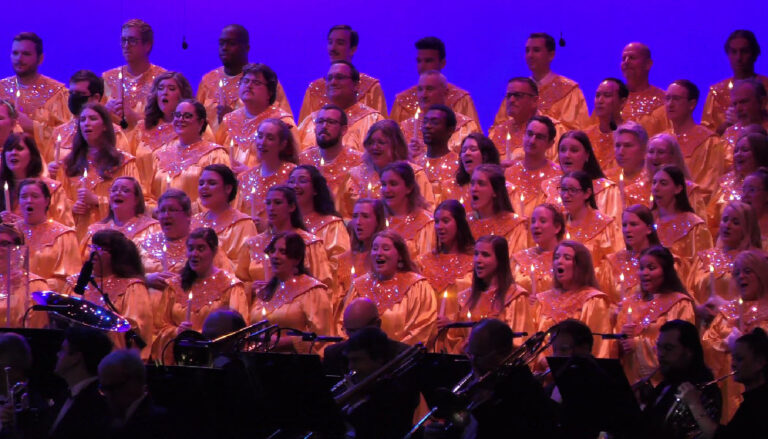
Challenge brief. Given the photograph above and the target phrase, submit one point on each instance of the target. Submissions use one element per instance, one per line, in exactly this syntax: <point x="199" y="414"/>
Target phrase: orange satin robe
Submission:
<point x="440" y="172"/>
<point x="20" y="302"/>
<point x="703" y="152"/>
<point x="604" y="146"/>
<point x="60" y="209"/>
<point x="352" y="264"/>
<point x="131" y="299"/>
<point x="513" y="227"/>
<point x="44" y="101"/>
<point x="526" y="185"/>
<point x="364" y="182"/>
<point x="541" y="261"/>
<point x="253" y="263"/>
<point x="418" y="230"/>
<point x="607" y="195"/>
<point x="699" y="278"/>
<point x="232" y="228"/>
<point x="135" y="88"/>
<point x="67" y="131"/>
<point x="406" y="103"/>
<point x="586" y="304"/>
<point x="237" y="132"/>
<point x="302" y="303"/>
<point x="649" y="316"/>
<point x="333" y="232"/>
<point x="600" y="233"/>
<point x="158" y="254"/>
<point x="637" y="189"/>
<point x="53" y="251"/>
<point x="253" y="187"/>
<point x="508" y="138"/>
<point x="718" y="101"/>
<point x="728" y="189"/>
<point x="465" y="126"/>
<point x="623" y="262"/>
<point x="211" y="95"/>
<point x="732" y="135"/>
<point x="407" y="305"/>
<point x="559" y="98"/>
<point x="219" y="290"/>
<point x="369" y="92"/>
<point x="684" y="235"/>
<point x="135" y="229"/>
<point x="335" y="171"/>
<point x="360" y="117"/>
<point x="145" y="142"/>
<point x="647" y="108"/>
<point x="99" y="186"/>
<point x="179" y="167"/>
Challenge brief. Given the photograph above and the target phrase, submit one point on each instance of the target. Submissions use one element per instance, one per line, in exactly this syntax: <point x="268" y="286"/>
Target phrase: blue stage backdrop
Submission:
<point x="485" y="40"/>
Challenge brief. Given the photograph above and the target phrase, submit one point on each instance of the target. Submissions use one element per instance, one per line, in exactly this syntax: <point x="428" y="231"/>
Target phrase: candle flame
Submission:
<point x="533" y="268"/>
<point x="711" y="268"/>
<point x="461" y="200"/>
<point x="629" y="310"/>
<point x="621" y="177"/>
<point x="741" y="301"/>
<point x="263" y="311"/>
<point x="621" y="277"/>
<point x="369" y="186"/>
<point x="730" y="85"/>
<point x="190" y="296"/>
<point x="253" y="190"/>
<point x="221" y="83"/>
<point x="352" y="270"/>
<point x="567" y="235"/>
<point x="85" y="174"/>
<point x="18" y="93"/>
<point x="120" y="75"/>
<point x="58" y="138"/>
<point x="165" y="248"/>
<point x="168" y="178"/>
<point x="386" y="222"/>
<point x="322" y="161"/>
<point x="651" y="199"/>
<point x="508" y="136"/>
<point x="5" y="186"/>
<point x="418" y="111"/>
<point x="445" y="294"/>
<point x="522" y="198"/>
<point x="469" y="315"/>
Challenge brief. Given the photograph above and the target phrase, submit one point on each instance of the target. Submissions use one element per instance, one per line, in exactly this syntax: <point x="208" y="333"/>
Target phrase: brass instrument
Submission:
<point x="469" y="390"/>
<point x="192" y="349"/>
<point x="356" y="394"/>
<point x="680" y="417"/>
<point x="15" y="395"/>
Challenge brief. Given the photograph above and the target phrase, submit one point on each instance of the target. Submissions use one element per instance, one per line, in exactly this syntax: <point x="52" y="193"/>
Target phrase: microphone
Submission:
<point x="619" y="336"/>
<point x="49" y="307"/>
<point x="85" y="275"/>
<point x="311" y="336"/>
<point x="460" y="325"/>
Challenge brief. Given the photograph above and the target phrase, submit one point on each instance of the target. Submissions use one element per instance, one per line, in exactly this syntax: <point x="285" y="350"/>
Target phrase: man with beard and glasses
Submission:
<point x="84" y="87"/>
<point x="219" y="88"/>
<point x="331" y="156"/>
<point x="342" y="45"/>
<point x="40" y="101"/>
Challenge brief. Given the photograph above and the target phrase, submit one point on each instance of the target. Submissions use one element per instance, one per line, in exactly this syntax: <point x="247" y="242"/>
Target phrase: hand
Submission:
<point x="416" y="148"/>
<point x="238" y="167"/>
<point x="25" y="122"/>
<point x="184" y="326"/>
<point x="628" y="345"/>
<point x="87" y="197"/>
<point x="80" y="208"/>
<point x="53" y="168"/>
<point x="706" y="312"/>
<point x="159" y="280"/>
<point x="131" y="117"/>
<point x="257" y="286"/>
<point x="9" y="217"/>
<point x="689" y="394"/>
<point x="631" y="329"/>
<point x="222" y="110"/>
<point x="730" y="116"/>
<point x="442" y="322"/>
<point x="115" y="106"/>
<point x="730" y="340"/>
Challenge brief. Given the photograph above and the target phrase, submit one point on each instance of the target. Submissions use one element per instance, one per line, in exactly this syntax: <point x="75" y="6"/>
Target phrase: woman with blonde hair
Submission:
<point x="663" y="149"/>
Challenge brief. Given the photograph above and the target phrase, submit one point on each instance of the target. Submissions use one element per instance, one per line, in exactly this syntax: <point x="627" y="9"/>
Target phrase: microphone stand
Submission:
<point x="131" y="337"/>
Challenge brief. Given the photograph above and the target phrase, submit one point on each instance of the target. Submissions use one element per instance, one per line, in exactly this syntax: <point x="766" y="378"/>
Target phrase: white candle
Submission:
<point x="232" y="152"/>
<point x="629" y="315"/>
<point x="7" y="194"/>
<point x="165" y="258"/>
<point x="57" y="153"/>
<point x="621" y="190"/>
<point x="534" y="287"/>
<point x="26" y="277"/>
<point x="416" y="124"/>
<point x="84" y="179"/>
<point x="253" y="202"/>
<point x="622" y="286"/>
<point x="711" y="281"/>
<point x="352" y="272"/>
<point x="508" y="146"/>
<point x="442" y="303"/>
<point x="221" y="93"/>
<point x="189" y="307"/>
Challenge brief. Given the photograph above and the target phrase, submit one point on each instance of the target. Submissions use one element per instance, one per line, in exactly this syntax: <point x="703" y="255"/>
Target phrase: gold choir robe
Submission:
<point x="44" y="101"/>
<point x="407" y="304"/>
<point x="649" y="316"/>
<point x="131" y="299"/>
<point x="407" y="101"/>
<point x="335" y="171"/>
<point x="612" y="266"/>
<point x="232" y="227"/>
<point x="211" y="95"/>
<point x="135" y="229"/>
<point x="333" y="232"/>
<point x="364" y="182"/>
<point x="647" y="108"/>
<point x="302" y="303"/>
<point x="352" y="264"/>
<point x="238" y="132"/>
<point x="135" y="89"/>
<point x="53" y="251"/>
<point x="603" y="145"/>
<point x="360" y="117"/>
<point x="559" y="98"/>
<point x="588" y="305"/>
<point x="440" y="171"/>
<point x="637" y="189"/>
<point x="448" y="274"/>
<point x="703" y="152"/>
<point x="508" y="138"/>
<point x="540" y="261"/>
<point x="728" y="189"/>
<point x="718" y="100"/>
<point x="699" y="278"/>
<point x="511" y="226"/>
<point x="60" y="209"/>
<point x="526" y="185"/>
<point x="732" y="135"/>
<point x="158" y="254"/>
<point x="179" y="167"/>
<point x="369" y="92"/>
<point x="219" y="290"/>
<point x="465" y="126"/>
<point x="99" y="186"/>
<point x="253" y="264"/>
<point x="717" y="354"/>
<point x="67" y="132"/>
<point x="19" y="301"/>
<point x="684" y="235"/>
<point x="252" y="191"/>
<point x="418" y="230"/>
<point x="599" y="233"/>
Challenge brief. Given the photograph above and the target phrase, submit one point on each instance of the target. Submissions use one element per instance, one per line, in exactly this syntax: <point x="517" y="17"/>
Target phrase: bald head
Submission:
<point x="239" y="31"/>
<point x="360" y="313"/>
<point x="636" y="65"/>
<point x="222" y="322"/>
<point x="640" y="48"/>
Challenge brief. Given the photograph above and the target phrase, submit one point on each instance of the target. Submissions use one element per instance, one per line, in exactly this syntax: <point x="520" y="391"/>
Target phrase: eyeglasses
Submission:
<point x="185" y="116"/>
<point x="569" y="190"/>
<point x="327" y="122"/>
<point x="330" y="78"/>
<point x="120" y="190"/>
<point x="129" y="41"/>
<point x="519" y="95"/>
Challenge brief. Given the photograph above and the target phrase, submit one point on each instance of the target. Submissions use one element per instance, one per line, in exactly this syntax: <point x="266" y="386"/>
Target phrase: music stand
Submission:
<point x="440" y="371"/>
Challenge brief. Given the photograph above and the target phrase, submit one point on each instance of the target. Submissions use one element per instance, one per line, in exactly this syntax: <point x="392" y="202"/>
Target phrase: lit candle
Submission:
<point x="84" y="179"/>
<point x="621" y="190"/>
<point x="442" y="303"/>
<point x="57" y="153"/>
<point x="18" y="95"/>
<point x="352" y="272"/>
<point x="711" y="281"/>
<point x="322" y="162"/>
<point x="386" y="222"/>
<point x="232" y="152"/>
<point x="622" y="286"/>
<point x="221" y="92"/>
<point x="370" y="187"/>
<point x="416" y="124"/>
<point x="253" y="202"/>
<point x="469" y="315"/>
<point x="189" y="306"/>
<point x="122" y="88"/>
<point x="263" y="311"/>
<point x="7" y="193"/>
<point x="533" y="280"/>
<point x="629" y="315"/>
<point x="567" y="235"/>
<point x="165" y="258"/>
<point x="730" y="85"/>
<point x="508" y="146"/>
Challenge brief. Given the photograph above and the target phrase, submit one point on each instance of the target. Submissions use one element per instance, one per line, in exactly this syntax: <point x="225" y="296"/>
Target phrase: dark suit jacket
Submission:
<point x="149" y="421"/>
<point x="88" y="416"/>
